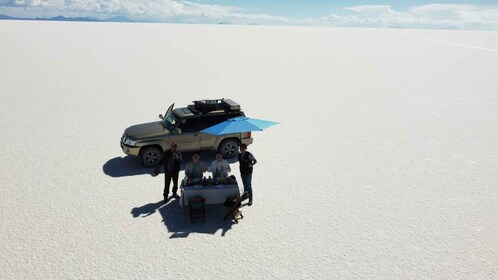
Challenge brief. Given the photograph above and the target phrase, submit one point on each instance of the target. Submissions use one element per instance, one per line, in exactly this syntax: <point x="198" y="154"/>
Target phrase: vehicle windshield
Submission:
<point x="169" y="121"/>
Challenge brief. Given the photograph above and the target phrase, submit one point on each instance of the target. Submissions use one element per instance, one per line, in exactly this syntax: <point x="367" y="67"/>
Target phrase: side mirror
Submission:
<point x="161" y="116"/>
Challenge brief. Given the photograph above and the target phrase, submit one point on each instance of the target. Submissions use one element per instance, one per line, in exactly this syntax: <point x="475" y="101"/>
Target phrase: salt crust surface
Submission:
<point x="384" y="165"/>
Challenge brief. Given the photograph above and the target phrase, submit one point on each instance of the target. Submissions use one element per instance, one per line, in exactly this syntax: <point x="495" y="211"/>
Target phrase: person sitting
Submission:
<point x="219" y="167"/>
<point x="195" y="168"/>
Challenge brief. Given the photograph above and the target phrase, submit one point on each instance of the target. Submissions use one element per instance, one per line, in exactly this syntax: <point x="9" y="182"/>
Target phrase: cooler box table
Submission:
<point x="215" y="194"/>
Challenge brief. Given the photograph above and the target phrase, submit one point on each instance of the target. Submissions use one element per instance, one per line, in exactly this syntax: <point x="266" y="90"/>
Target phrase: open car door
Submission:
<point x="170" y="109"/>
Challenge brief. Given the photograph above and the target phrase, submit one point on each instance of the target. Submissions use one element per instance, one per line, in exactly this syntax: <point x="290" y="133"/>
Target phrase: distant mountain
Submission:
<point x="63" y="18"/>
<point x="7" y="17"/>
<point x="119" y="19"/>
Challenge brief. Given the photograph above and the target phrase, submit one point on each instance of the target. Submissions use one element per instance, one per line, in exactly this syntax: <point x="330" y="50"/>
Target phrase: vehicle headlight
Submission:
<point x="130" y="142"/>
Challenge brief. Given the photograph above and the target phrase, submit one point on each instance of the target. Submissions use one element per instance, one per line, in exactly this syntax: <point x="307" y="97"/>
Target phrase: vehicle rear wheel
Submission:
<point x="150" y="156"/>
<point x="229" y="148"/>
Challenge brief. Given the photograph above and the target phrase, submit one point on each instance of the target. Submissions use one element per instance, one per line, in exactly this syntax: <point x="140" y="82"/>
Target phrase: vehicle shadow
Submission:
<point x="131" y="166"/>
<point x="177" y="220"/>
<point x="125" y="166"/>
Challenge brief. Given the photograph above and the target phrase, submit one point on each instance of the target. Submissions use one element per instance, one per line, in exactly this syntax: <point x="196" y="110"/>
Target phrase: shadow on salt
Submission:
<point x="125" y="166"/>
<point x="177" y="220"/>
<point x="131" y="166"/>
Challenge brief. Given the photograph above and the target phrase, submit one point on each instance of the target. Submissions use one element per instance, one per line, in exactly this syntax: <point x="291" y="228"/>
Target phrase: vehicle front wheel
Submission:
<point x="229" y="148"/>
<point x="150" y="156"/>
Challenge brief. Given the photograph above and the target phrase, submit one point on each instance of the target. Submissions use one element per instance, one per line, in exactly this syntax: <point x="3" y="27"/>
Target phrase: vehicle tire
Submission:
<point x="229" y="148"/>
<point x="151" y="156"/>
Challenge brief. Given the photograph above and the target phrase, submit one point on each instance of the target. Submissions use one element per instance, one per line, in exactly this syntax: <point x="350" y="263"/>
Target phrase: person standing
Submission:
<point x="172" y="159"/>
<point x="246" y="163"/>
<point x="220" y="167"/>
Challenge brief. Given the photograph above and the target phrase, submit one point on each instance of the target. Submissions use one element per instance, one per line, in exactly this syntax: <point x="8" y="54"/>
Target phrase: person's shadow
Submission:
<point x="131" y="166"/>
<point x="146" y="210"/>
<point x="177" y="220"/>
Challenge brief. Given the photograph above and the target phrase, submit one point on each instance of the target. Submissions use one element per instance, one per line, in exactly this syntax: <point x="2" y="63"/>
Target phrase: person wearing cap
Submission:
<point x="246" y="163"/>
<point x="171" y="160"/>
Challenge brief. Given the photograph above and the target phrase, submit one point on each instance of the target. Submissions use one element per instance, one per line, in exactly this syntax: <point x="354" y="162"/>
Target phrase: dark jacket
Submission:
<point x="245" y="161"/>
<point x="171" y="164"/>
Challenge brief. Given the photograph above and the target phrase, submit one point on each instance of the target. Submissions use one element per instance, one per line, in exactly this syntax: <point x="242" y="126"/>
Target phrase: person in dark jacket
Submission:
<point x="246" y="163"/>
<point x="172" y="159"/>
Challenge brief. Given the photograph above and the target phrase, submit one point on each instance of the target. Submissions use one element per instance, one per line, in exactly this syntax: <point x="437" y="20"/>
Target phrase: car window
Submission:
<point x="209" y="121"/>
<point x="169" y="121"/>
<point x="189" y="124"/>
<point x="203" y="122"/>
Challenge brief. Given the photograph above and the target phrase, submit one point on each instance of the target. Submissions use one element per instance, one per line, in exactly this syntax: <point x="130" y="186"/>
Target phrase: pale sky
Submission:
<point x="455" y="14"/>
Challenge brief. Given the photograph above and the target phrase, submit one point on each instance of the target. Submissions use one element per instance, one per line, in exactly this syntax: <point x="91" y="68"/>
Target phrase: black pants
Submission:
<point x="167" y="180"/>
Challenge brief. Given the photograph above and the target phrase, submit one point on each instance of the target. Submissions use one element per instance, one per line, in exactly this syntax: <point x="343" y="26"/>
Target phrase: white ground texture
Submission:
<point x="384" y="166"/>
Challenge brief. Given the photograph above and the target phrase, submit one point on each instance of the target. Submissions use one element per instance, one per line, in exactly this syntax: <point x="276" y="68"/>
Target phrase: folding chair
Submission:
<point x="197" y="208"/>
<point x="233" y="204"/>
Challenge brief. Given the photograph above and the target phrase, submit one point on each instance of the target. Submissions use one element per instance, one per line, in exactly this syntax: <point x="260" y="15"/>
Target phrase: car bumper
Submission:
<point x="133" y="151"/>
<point x="247" y="141"/>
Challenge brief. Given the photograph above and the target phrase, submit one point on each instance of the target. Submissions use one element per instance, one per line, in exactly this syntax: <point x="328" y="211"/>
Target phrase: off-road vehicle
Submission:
<point x="148" y="141"/>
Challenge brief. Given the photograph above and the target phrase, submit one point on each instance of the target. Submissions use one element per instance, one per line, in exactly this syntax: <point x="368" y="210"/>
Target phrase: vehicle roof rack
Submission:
<point x="209" y="105"/>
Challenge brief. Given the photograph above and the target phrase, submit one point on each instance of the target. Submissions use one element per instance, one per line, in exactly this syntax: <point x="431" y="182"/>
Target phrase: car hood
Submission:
<point x="145" y="130"/>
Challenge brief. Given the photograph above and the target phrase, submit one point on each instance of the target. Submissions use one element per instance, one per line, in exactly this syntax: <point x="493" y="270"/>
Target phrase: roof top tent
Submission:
<point x="210" y="105"/>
